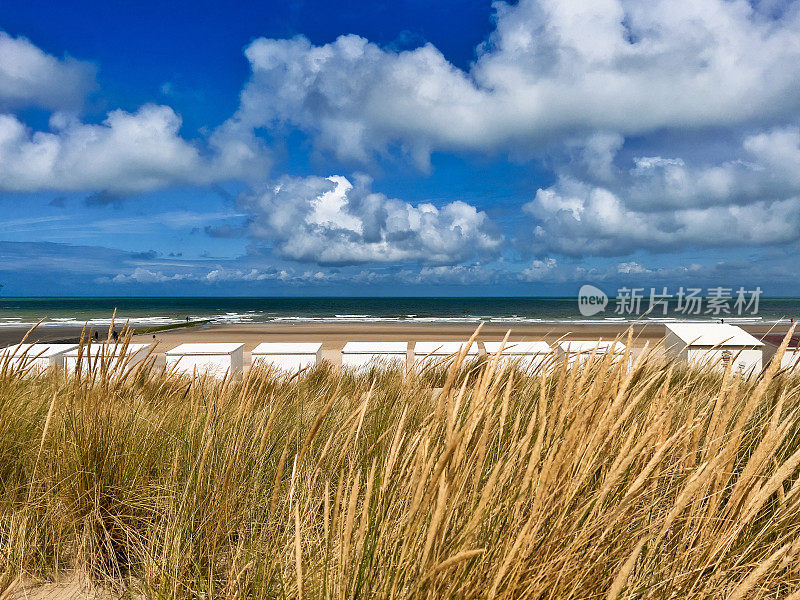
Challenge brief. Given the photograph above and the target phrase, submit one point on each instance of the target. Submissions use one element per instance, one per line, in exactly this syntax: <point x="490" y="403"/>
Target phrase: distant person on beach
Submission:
<point x="114" y="334"/>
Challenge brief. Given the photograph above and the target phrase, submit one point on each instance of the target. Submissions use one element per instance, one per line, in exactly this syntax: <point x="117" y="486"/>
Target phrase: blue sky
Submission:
<point x="398" y="148"/>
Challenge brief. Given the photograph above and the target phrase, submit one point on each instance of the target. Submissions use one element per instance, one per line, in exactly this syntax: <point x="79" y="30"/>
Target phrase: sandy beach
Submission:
<point x="334" y="335"/>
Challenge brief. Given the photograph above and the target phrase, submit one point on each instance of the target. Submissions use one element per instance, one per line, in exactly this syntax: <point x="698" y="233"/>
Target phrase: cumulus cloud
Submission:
<point x="453" y="275"/>
<point x="540" y="270"/>
<point x="768" y="168"/>
<point x="549" y="69"/>
<point x="334" y="222"/>
<point x="221" y="275"/>
<point x="143" y="275"/>
<point x="425" y="275"/>
<point x="577" y="78"/>
<point x="666" y="204"/>
<point x="127" y="152"/>
<point x="31" y="77"/>
<point x="216" y="275"/>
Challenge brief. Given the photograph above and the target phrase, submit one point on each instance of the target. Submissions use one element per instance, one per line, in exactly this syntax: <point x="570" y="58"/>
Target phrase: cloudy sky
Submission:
<point x="403" y="147"/>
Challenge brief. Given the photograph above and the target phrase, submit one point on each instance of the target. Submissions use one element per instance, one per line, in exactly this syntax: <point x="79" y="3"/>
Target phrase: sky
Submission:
<point x="398" y="148"/>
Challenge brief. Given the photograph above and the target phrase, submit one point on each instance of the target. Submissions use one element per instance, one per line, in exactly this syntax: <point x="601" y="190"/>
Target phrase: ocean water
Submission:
<point x="54" y="312"/>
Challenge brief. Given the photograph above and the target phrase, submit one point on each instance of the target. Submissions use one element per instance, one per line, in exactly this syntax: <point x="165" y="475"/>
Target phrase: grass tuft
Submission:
<point x="466" y="479"/>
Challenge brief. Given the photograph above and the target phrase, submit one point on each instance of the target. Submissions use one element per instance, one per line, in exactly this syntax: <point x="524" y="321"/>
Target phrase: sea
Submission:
<point x="145" y="312"/>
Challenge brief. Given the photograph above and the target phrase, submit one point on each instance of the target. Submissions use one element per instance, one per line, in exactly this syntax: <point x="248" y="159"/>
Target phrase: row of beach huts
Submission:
<point x="715" y="344"/>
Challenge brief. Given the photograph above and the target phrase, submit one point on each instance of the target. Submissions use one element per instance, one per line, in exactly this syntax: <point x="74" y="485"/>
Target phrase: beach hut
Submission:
<point x="287" y="356"/>
<point x="214" y="359"/>
<point x="581" y="350"/>
<point x="36" y="357"/>
<point x="433" y="352"/>
<point x="790" y="358"/>
<point x="715" y="345"/>
<point x="358" y="354"/>
<point x="115" y="356"/>
<point x="529" y="355"/>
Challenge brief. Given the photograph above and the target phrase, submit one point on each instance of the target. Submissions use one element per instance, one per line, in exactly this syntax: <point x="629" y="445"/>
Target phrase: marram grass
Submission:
<point x="593" y="482"/>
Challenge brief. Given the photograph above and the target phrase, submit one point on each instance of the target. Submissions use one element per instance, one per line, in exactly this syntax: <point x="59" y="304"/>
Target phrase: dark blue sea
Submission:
<point x="160" y="311"/>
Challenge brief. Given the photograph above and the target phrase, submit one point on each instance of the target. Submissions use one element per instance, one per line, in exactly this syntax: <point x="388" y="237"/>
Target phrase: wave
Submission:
<point x="253" y="317"/>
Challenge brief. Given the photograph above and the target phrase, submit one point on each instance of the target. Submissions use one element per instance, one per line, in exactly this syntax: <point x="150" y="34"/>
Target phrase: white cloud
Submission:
<point x="730" y="273"/>
<point x="31" y="77"/>
<point x="221" y="275"/>
<point x="540" y="270"/>
<point x="600" y="223"/>
<point x="551" y="68"/>
<point x="768" y="168"/>
<point x="143" y="275"/>
<point x="632" y="268"/>
<point x="333" y="221"/>
<point x="572" y="77"/>
<point x="665" y="204"/>
<point x="230" y="274"/>
<point x="128" y="152"/>
<point x="475" y="274"/>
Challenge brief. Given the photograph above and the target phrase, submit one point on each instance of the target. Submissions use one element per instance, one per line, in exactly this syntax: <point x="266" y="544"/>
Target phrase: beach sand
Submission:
<point x="334" y="335"/>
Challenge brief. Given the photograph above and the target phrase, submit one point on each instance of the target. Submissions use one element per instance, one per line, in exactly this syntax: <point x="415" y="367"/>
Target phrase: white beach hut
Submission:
<point x="529" y="355"/>
<point x="116" y="356"/>
<point x="715" y="345"/>
<point x="433" y="352"/>
<point x="581" y="350"/>
<point x="291" y="356"/>
<point x="214" y="359"/>
<point x="36" y="357"/>
<point x="358" y="354"/>
<point x="790" y="358"/>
